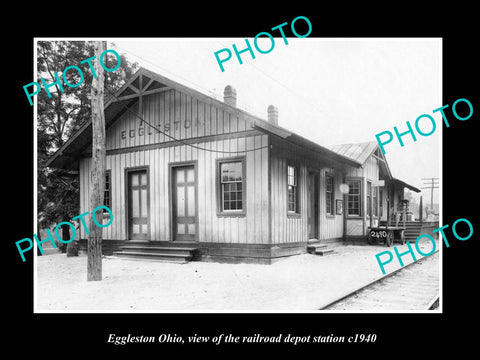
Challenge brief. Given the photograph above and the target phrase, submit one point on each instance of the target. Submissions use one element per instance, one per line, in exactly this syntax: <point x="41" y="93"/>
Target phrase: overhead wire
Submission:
<point x="180" y="140"/>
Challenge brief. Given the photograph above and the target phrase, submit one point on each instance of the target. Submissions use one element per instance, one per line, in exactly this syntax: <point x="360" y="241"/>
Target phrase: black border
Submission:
<point x="63" y="334"/>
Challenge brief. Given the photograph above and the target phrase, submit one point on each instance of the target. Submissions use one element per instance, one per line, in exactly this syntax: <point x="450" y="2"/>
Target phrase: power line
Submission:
<point x="179" y="140"/>
<point x="201" y="87"/>
<point x="433" y="185"/>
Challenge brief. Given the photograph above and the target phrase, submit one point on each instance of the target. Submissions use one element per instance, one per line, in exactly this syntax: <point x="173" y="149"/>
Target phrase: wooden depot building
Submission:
<point x="189" y="175"/>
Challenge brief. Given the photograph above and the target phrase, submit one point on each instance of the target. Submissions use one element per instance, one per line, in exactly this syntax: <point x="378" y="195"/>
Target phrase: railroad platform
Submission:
<point x="302" y="283"/>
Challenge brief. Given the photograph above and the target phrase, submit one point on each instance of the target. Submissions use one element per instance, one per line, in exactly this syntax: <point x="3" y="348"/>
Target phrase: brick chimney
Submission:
<point x="273" y="115"/>
<point x="230" y="96"/>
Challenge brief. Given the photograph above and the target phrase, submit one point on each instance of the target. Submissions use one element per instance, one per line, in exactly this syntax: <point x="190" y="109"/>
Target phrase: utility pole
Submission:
<point x="420" y="208"/>
<point x="431" y="183"/>
<point x="97" y="187"/>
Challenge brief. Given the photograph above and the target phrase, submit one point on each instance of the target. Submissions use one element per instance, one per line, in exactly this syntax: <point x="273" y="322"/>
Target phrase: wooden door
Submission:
<point x="138" y="212"/>
<point x="184" y="204"/>
<point x="312" y="205"/>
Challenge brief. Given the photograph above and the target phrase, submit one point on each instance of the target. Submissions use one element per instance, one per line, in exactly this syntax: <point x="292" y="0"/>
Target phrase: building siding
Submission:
<point x="177" y="115"/>
<point x="251" y="228"/>
<point x="287" y="228"/>
<point x="331" y="226"/>
<point x="207" y="132"/>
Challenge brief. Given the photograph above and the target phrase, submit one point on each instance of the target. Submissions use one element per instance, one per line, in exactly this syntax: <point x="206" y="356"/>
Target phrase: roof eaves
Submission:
<point x="256" y="121"/>
<point x="404" y="184"/>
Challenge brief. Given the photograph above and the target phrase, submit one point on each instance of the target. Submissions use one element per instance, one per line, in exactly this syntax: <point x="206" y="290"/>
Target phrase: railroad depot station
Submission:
<point x="190" y="177"/>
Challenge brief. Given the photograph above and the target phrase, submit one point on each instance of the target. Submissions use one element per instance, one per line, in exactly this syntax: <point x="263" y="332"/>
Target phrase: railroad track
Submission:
<point x="412" y="287"/>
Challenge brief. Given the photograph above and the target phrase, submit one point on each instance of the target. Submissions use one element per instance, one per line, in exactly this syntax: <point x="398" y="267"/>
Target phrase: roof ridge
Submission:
<point x="354" y="143"/>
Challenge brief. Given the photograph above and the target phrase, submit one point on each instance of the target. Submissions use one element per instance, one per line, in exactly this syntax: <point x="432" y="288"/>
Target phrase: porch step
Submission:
<point x="412" y="231"/>
<point x="156" y="253"/>
<point x="319" y="249"/>
<point x="155" y="249"/>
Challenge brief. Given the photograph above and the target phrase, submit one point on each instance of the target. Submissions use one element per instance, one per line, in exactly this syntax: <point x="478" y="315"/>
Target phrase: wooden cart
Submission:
<point x="387" y="234"/>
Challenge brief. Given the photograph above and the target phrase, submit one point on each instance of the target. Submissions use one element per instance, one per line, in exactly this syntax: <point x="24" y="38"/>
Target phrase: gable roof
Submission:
<point x="146" y="82"/>
<point x="360" y="152"/>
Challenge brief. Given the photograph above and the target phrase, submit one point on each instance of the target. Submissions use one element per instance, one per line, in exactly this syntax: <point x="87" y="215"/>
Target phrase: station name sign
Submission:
<point x="155" y="129"/>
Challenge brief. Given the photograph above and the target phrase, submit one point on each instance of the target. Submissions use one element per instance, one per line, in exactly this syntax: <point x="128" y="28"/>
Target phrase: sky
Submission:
<point x="329" y="90"/>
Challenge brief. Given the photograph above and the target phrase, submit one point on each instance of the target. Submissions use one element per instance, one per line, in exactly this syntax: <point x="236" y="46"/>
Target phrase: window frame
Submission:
<point x="296" y="177"/>
<point x="373" y="198"/>
<point x="108" y="173"/>
<point x="330" y="195"/>
<point x="369" y="197"/>
<point x="360" y="198"/>
<point x="219" y="191"/>
<point x="380" y="202"/>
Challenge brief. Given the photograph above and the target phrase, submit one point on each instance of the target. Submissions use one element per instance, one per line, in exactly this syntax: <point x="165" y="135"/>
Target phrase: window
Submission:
<point x="381" y="203"/>
<point x="231" y="186"/>
<point x="369" y="198"/>
<point x="329" y="196"/>
<point x="353" y="197"/>
<point x="292" y="189"/>
<point x="372" y="199"/>
<point x="107" y="199"/>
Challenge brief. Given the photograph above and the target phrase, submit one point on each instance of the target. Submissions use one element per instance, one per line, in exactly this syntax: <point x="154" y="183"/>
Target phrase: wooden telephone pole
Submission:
<point x="97" y="187"/>
<point x="430" y="183"/>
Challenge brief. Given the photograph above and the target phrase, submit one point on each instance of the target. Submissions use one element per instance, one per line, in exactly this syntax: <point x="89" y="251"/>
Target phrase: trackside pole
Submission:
<point x="97" y="187"/>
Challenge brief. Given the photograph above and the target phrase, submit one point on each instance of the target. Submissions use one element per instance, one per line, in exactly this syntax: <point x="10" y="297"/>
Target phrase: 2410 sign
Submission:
<point x="378" y="234"/>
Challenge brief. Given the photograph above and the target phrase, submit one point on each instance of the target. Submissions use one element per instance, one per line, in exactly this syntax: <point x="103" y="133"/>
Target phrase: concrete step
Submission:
<point x="141" y="250"/>
<point x="156" y="249"/>
<point x="154" y="256"/>
<point x="324" y="252"/>
<point x="314" y="247"/>
<point x="319" y="249"/>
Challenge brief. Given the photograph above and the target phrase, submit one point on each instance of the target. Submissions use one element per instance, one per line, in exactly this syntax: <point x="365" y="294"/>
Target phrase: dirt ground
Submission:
<point x="299" y="283"/>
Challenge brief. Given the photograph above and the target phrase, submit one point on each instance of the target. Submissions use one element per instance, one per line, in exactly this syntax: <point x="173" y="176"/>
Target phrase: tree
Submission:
<point x="59" y="117"/>
<point x="66" y="111"/>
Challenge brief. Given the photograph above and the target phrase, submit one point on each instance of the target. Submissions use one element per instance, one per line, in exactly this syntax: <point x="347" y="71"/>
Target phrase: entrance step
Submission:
<point x="412" y="229"/>
<point x="180" y="255"/>
<point x="319" y="249"/>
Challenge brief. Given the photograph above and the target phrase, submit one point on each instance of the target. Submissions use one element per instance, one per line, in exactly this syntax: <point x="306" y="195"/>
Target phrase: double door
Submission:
<point x="183" y="205"/>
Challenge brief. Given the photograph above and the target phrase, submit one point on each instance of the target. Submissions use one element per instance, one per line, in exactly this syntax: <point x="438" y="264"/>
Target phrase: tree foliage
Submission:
<point x="60" y="115"/>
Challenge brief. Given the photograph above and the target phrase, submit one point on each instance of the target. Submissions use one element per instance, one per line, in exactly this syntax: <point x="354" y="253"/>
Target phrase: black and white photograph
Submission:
<point x="192" y="183"/>
<point x="237" y="190"/>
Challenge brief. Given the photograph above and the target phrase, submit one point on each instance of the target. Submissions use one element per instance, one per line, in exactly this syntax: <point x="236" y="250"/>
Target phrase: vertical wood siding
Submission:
<point x="371" y="173"/>
<point x="287" y="228"/>
<point x="176" y="114"/>
<point x="371" y="169"/>
<point x="185" y="117"/>
<point x="331" y="226"/>
<point x="368" y="172"/>
<point x="251" y="228"/>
